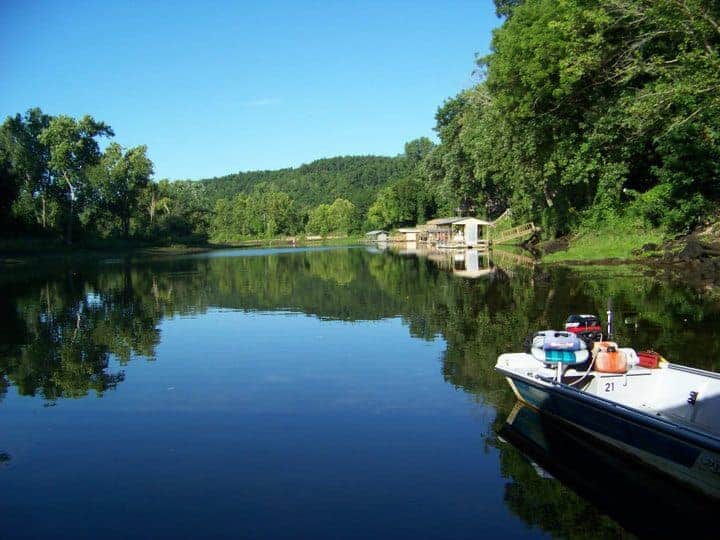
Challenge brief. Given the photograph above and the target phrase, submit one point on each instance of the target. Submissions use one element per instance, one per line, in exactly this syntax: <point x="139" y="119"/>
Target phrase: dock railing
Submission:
<point x="514" y="233"/>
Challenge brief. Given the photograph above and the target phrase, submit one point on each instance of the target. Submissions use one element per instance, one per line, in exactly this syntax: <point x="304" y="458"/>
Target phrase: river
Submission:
<point x="312" y="393"/>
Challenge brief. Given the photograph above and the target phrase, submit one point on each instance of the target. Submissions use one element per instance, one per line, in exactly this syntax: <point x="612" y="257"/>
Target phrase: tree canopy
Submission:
<point x="589" y="110"/>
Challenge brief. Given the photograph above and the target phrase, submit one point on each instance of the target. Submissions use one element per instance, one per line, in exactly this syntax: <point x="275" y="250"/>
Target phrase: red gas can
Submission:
<point x="649" y="359"/>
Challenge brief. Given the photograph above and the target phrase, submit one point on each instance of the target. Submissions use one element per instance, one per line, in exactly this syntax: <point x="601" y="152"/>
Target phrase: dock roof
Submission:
<point x="443" y="221"/>
<point x="465" y="221"/>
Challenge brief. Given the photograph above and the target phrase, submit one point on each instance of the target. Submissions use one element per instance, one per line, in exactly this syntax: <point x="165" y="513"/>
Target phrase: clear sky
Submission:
<point x="218" y="87"/>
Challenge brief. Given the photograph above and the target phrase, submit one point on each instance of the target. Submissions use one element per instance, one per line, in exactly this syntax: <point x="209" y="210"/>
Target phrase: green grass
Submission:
<point x="617" y="243"/>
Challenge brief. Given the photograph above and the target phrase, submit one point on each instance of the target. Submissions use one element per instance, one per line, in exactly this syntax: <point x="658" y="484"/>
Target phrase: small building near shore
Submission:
<point x="377" y="236"/>
<point x="439" y="231"/>
<point x="408" y="234"/>
<point x="470" y="232"/>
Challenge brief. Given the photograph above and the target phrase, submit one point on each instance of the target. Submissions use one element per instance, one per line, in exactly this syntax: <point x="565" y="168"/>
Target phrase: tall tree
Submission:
<point x="155" y="198"/>
<point x="9" y="187"/>
<point x="417" y="149"/>
<point x="119" y="179"/>
<point x="28" y="157"/>
<point x="73" y="149"/>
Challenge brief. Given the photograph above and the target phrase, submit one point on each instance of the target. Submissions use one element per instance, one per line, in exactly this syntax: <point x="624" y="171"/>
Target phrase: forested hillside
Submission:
<point x="355" y="178"/>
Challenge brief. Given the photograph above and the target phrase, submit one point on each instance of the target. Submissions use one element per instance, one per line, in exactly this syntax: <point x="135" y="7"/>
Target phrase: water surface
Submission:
<point x="299" y="393"/>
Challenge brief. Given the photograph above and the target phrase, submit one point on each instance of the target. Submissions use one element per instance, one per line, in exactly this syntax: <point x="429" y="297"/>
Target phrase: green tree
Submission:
<point x="154" y="199"/>
<point x="222" y="225"/>
<point x="417" y="149"/>
<point x="119" y="179"/>
<point x="26" y="157"/>
<point x="9" y="188"/>
<point x="583" y="102"/>
<point x="73" y="148"/>
<point x="340" y="217"/>
<point x="343" y="216"/>
<point x="189" y="211"/>
<point x="504" y="8"/>
<point x="598" y="97"/>
<point x="319" y="220"/>
<point x="403" y="202"/>
<point x="279" y="214"/>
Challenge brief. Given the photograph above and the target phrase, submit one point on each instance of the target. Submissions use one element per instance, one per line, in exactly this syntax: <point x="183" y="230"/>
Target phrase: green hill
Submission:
<point x="356" y="178"/>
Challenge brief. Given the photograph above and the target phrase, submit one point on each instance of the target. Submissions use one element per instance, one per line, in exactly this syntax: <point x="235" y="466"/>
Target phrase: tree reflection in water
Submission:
<point x="61" y="327"/>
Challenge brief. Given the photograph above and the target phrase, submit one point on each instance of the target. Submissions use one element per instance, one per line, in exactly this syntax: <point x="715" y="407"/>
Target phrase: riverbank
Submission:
<point x="633" y="241"/>
<point x="694" y="257"/>
<point x="14" y="256"/>
<point x="606" y="244"/>
<point x="19" y="250"/>
<point x="297" y="241"/>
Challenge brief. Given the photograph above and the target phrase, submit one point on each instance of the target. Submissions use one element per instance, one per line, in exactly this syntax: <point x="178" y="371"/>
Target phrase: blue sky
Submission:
<point x="218" y="87"/>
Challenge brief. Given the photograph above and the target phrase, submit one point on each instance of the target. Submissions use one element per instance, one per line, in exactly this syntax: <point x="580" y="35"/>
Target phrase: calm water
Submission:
<point x="328" y="393"/>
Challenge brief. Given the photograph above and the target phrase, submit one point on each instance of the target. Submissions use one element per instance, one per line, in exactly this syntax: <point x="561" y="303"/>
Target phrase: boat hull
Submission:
<point x="670" y="449"/>
<point x="608" y="478"/>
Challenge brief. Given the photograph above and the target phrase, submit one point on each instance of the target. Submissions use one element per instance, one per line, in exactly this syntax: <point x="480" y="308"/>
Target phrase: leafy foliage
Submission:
<point x="119" y="179"/>
<point x="338" y="217"/>
<point x="584" y="102"/>
<point x="258" y="215"/>
<point x="73" y="149"/>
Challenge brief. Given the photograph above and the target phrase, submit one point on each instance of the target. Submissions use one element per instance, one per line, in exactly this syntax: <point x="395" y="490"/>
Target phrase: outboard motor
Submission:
<point x="586" y="327"/>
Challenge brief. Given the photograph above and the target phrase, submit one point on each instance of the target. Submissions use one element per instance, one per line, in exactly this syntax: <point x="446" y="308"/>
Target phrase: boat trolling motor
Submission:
<point x="586" y="327"/>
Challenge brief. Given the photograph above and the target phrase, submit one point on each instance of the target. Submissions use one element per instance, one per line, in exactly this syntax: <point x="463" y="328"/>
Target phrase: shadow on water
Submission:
<point x="69" y="331"/>
<point x="643" y="502"/>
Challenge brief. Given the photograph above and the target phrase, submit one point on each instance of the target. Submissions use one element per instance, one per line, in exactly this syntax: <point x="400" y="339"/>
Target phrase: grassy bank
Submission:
<point x="607" y="243"/>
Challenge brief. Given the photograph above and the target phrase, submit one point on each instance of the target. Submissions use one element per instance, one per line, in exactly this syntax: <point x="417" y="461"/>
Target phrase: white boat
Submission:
<point x="669" y="416"/>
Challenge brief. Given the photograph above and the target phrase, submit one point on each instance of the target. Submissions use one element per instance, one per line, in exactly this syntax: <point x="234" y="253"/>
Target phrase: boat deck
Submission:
<point x="681" y="395"/>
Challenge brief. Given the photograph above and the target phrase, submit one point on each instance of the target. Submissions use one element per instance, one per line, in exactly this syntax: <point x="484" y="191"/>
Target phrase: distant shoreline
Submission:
<point x="32" y="249"/>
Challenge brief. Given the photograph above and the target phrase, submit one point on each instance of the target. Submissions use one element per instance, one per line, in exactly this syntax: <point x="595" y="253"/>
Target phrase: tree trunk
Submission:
<point x="152" y="208"/>
<point x="44" y="219"/>
<point x="68" y="232"/>
<point x="71" y="201"/>
<point x="126" y="226"/>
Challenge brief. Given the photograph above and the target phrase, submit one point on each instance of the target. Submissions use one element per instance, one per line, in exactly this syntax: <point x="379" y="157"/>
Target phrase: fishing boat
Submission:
<point x="667" y="415"/>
